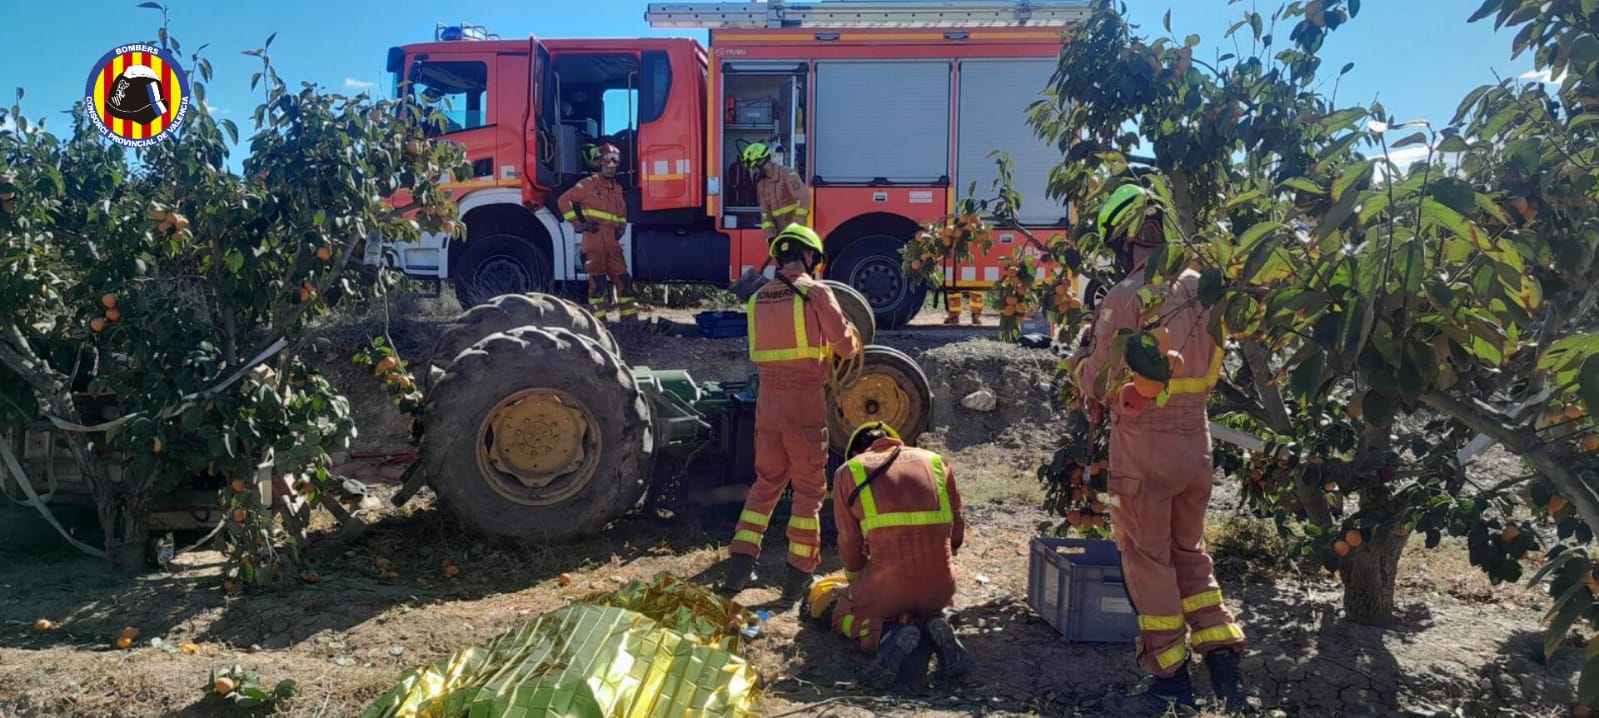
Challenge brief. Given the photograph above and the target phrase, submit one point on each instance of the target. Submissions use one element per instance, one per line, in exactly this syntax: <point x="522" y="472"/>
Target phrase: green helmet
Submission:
<point x="1110" y="215"/>
<point x="755" y="154"/>
<point x="800" y="233"/>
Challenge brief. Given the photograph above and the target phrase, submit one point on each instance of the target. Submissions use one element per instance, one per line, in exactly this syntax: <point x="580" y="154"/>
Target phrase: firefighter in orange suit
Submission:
<point x="596" y="208"/>
<point x="783" y="196"/>
<point x="952" y="304"/>
<point x="899" y="527"/>
<point x="1160" y="471"/>
<point x="795" y="326"/>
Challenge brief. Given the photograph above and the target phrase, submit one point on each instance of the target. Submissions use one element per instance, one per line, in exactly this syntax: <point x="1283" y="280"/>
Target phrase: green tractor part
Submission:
<point x="542" y="433"/>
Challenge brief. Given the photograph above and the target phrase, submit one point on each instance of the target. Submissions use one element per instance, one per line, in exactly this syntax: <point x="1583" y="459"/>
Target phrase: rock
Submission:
<point x="1531" y="686"/>
<point x="980" y="400"/>
<point x="1506" y="688"/>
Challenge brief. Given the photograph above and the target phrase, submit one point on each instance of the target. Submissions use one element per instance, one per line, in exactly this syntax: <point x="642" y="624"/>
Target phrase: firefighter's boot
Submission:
<point x="739" y="570"/>
<point x="952" y="659"/>
<point x="1226" y="680"/>
<point x="1164" y="695"/>
<point x="796" y="584"/>
<point x="953" y="318"/>
<point x="897" y="643"/>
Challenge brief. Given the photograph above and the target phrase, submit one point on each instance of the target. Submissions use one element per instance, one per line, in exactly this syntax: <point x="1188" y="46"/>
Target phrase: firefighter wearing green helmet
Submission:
<point x="783" y="196"/>
<point x="795" y="327"/>
<point x="1160" y="466"/>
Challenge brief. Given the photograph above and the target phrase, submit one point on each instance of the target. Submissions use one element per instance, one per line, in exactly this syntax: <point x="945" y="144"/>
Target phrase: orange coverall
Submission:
<point x="1160" y="480"/>
<point x="784" y="200"/>
<point x="790" y="341"/>
<point x="604" y="205"/>
<point x="898" y="539"/>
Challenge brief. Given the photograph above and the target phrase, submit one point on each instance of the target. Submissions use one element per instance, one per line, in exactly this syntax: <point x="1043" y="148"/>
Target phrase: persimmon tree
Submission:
<point x="1382" y="322"/>
<point x="156" y="305"/>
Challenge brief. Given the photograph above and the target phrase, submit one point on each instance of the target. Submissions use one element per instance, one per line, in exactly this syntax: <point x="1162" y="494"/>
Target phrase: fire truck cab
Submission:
<point x="888" y="109"/>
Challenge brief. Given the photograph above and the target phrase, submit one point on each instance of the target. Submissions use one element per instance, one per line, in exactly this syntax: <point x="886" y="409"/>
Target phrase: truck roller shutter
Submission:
<point x="994" y="99"/>
<point x="882" y="118"/>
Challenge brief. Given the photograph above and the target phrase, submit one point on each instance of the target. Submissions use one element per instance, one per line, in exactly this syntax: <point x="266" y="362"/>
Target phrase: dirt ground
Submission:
<point x="1463" y="645"/>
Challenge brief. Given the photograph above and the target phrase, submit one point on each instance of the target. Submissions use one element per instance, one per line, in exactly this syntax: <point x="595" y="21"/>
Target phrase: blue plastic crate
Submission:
<point x="1076" y="586"/>
<point x="722" y="324"/>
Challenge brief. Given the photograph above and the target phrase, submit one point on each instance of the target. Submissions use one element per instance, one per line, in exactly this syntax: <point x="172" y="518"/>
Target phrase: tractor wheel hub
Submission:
<point x="535" y="436"/>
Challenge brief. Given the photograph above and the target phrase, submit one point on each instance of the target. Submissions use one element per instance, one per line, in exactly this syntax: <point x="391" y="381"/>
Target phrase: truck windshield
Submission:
<point x="457" y="89"/>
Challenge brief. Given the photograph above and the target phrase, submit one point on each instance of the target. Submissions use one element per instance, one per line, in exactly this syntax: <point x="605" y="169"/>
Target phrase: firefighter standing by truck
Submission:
<point x="1160" y="470"/>
<point x="899" y="528"/>
<point x="952" y="304"/>
<point x="783" y="196"/>
<point x="795" y="326"/>
<point x="596" y="208"/>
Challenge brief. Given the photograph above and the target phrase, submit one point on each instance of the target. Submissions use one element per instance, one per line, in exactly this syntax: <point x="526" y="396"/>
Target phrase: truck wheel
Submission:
<point x="507" y="312"/>
<point x="856" y="309"/>
<point x="499" y="264"/>
<point x="892" y="389"/>
<point x="871" y="265"/>
<point x="537" y="435"/>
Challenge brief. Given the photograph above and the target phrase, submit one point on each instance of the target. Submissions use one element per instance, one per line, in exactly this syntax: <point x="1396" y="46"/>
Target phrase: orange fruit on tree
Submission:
<point x="180" y="222"/>
<point x="386" y="365"/>
<point x="237" y="485"/>
<point x="1590" y="443"/>
<point x="1573" y="411"/>
<point x="1074" y="517"/>
<point x="113" y="315"/>
<point x="109" y="301"/>
<point x="1556" y="505"/>
<point x="1401" y="531"/>
<point x="1353" y="538"/>
<point x="1341" y="548"/>
<point x="239" y="515"/>
<point x="1147" y="387"/>
<point x="97" y="324"/>
<point x="324" y="253"/>
<point x="158" y="447"/>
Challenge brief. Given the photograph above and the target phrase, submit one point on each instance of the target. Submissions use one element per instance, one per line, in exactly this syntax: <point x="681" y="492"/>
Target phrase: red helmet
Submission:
<point x="608" y="153"/>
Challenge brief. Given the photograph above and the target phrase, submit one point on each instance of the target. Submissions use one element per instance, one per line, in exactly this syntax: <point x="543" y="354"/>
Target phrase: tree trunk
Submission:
<point x="124" y="521"/>
<point x="1369" y="572"/>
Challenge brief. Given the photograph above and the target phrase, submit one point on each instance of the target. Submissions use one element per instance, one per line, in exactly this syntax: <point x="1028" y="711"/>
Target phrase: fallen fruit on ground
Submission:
<point x="564" y="579"/>
<point x="124" y="643"/>
<point x="44" y="624"/>
<point x="1510" y="534"/>
<point x="452" y="571"/>
<point x="224" y="685"/>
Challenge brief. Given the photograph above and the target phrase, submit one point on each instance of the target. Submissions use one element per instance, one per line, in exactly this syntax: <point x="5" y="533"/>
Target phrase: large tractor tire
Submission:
<point x="537" y="434"/>
<point x="507" y="312"/>
<point x="871" y="264"/>
<point x="891" y="389"/>
<point x="856" y="309"/>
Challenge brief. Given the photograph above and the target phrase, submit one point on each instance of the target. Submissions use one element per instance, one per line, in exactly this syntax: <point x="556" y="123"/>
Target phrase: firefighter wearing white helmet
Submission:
<point x="783" y="196"/>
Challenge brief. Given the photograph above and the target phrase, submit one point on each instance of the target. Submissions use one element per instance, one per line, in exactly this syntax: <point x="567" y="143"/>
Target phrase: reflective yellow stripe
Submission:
<point x="849" y="626"/>
<point x="850" y="575"/>
<point x="569" y="215"/>
<point x="1198" y="384"/>
<point x="629" y="312"/>
<point x="801" y="211"/>
<point x="753" y="517"/>
<point x="1172" y="656"/>
<point x="785" y="209"/>
<point x="873" y="520"/>
<point x="802" y="348"/>
<point x="1160" y="623"/>
<point x="624" y="299"/>
<point x="747" y="536"/>
<point x="597" y="214"/>
<point x="767" y="224"/>
<point x="1218" y="634"/>
<point x="804" y="523"/>
<point x="1202" y="600"/>
<point x="799" y="549"/>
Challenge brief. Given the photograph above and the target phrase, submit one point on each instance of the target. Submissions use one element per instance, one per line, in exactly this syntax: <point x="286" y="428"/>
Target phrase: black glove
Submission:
<point x="590" y="226"/>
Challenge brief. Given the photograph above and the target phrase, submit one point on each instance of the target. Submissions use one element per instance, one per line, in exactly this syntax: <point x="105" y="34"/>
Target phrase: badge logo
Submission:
<point x="138" y="94"/>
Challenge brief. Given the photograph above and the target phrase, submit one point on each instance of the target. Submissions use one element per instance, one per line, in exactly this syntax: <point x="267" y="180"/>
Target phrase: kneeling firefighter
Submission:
<point x="1160" y="470"/>
<point x="795" y="325"/>
<point x="899" y="527"/>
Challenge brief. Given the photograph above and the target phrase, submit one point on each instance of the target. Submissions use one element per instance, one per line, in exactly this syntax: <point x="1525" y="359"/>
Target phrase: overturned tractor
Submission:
<point x="535" y="429"/>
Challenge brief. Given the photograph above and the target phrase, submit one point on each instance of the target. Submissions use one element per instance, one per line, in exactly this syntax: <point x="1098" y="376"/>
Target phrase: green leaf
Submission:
<point x="1414" y="139"/>
<point x="1554" y="563"/>
<point x="1588" y="684"/>
<point x="1377" y="407"/>
<point x="1305" y="379"/>
<point x="1337" y="216"/>
<point x="1167" y="20"/>
<point x="1588" y="384"/>
<point x="1410" y="265"/>
<point x="1356" y="327"/>
<point x="1210" y="286"/>
<point x="1352" y="176"/>
<point x="1573" y="603"/>
<point x="1453" y="144"/>
<point x="1303" y="185"/>
<point x="1488" y="205"/>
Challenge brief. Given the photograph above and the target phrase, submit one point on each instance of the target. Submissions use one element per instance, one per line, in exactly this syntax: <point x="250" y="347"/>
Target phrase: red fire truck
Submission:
<point x="888" y="109"/>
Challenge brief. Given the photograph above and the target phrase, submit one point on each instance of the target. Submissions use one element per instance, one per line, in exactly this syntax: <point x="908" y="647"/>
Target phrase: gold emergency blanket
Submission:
<point x="658" y="649"/>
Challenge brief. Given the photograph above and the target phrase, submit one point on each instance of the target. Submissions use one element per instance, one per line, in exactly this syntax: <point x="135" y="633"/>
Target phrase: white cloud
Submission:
<point x="1542" y="76"/>
<point x="1405" y="156"/>
<point x="351" y="83"/>
<point x="214" y="110"/>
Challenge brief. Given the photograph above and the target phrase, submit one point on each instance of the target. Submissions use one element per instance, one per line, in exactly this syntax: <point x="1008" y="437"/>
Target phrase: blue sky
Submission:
<point x="1418" y="56"/>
